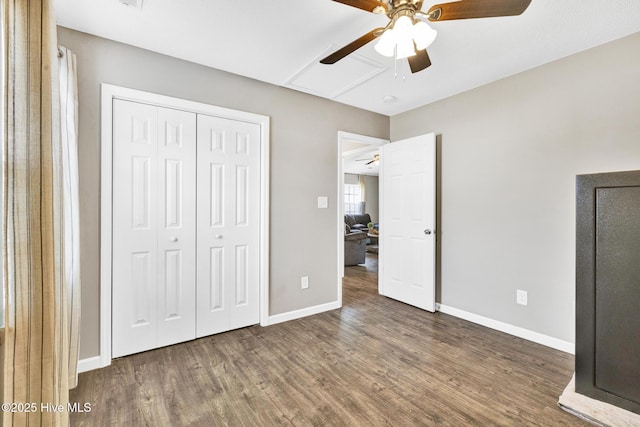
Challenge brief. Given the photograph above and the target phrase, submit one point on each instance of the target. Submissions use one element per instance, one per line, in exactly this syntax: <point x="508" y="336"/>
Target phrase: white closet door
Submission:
<point x="177" y="226"/>
<point x="228" y="164"/>
<point x="153" y="227"/>
<point x="134" y="227"/>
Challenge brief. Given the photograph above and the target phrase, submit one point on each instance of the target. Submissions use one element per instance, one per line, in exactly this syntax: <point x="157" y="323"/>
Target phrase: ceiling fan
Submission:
<point x="408" y="36"/>
<point x="376" y="158"/>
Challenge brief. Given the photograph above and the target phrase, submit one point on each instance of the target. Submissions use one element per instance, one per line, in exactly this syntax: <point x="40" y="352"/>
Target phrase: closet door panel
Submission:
<point x="153" y="227"/>
<point x="228" y="163"/>
<point x="135" y="221"/>
<point x="213" y="230"/>
<point x="176" y="226"/>
<point x="245" y="164"/>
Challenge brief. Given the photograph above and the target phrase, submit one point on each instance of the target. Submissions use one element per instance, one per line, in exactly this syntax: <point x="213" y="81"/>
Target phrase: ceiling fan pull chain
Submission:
<point x="395" y="68"/>
<point x="404" y="76"/>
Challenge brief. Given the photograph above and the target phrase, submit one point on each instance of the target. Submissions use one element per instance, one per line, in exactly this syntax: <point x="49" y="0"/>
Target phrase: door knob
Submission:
<point x="173" y="239"/>
<point x="218" y="236"/>
<point x="427" y="231"/>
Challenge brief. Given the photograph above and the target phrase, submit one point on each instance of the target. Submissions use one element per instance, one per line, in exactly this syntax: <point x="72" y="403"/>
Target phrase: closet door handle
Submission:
<point x="173" y="239"/>
<point x="218" y="236"/>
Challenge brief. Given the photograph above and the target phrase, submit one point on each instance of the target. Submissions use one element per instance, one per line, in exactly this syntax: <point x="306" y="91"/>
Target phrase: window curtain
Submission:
<point x="362" y="182"/>
<point x="70" y="182"/>
<point x="36" y="350"/>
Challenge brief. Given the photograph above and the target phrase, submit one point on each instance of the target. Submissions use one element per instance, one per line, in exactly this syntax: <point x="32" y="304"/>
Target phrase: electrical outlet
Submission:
<point x="521" y="297"/>
<point x="304" y="282"/>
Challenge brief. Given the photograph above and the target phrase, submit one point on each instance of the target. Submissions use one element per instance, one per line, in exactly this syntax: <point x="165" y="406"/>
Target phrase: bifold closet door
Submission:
<point x="228" y="199"/>
<point x="154" y="219"/>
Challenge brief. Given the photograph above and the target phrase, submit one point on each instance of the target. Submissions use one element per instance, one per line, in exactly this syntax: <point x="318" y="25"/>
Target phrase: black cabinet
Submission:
<point x="608" y="288"/>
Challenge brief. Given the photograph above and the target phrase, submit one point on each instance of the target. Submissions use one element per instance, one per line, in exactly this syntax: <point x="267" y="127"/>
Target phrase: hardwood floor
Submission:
<point x="375" y="362"/>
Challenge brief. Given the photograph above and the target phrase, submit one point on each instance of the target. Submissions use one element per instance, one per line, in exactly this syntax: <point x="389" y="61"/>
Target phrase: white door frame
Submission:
<point x="110" y="92"/>
<point x="342" y="138"/>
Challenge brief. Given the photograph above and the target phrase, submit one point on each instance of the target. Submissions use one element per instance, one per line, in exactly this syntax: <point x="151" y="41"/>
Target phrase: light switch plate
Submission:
<point x="323" y="202"/>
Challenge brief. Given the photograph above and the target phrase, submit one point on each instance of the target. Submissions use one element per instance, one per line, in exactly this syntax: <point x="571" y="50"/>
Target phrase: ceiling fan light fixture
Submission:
<point x="386" y="44"/>
<point x="402" y="28"/>
<point x="400" y="38"/>
<point x="423" y="35"/>
<point x="405" y="48"/>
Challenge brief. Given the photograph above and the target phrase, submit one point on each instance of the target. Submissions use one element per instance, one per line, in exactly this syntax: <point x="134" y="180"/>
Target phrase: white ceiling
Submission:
<point x="281" y="41"/>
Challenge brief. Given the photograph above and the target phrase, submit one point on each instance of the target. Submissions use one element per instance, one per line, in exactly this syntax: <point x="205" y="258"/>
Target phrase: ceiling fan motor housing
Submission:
<point x="401" y="8"/>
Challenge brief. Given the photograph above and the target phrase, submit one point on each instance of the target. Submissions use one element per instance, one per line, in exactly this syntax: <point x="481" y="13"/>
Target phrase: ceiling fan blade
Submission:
<point x="352" y="47"/>
<point x="466" y="9"/>
<point x="368" y="163"/>
<point x="419" y="61"/>
<point x="368" y="5"/>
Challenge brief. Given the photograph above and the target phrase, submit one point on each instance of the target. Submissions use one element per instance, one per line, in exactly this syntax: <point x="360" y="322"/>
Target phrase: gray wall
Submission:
<point x="303" y="164"/>
<point x="510" y="152"/>
<point x="351" y="178"/>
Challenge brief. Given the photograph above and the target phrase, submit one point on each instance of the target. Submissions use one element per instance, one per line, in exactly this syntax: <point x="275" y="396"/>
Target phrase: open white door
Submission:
<point x="407" y="221"/>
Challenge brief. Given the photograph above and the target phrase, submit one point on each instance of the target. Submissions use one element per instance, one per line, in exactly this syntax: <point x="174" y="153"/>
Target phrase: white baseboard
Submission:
<point x="304" y="312"/>
<point x="566" y="346"/>
<point x="89" y="364"/>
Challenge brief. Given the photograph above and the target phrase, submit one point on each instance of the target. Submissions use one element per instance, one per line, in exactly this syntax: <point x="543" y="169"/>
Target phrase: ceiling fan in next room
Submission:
<point x="408" y="36"/>
<point x="375" y="159"/>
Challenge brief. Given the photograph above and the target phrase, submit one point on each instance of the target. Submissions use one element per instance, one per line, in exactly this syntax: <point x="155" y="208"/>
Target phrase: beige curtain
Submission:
<point x="362" y="182"/>
<point x="69" y="142"/>
<point x="36" y="362"/>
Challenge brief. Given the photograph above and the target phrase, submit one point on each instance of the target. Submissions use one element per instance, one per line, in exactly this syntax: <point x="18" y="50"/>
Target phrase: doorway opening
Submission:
<point x="358" y="190"/>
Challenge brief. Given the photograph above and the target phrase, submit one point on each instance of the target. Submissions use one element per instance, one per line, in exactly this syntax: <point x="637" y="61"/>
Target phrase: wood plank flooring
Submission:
<point x="375" y="362"/>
